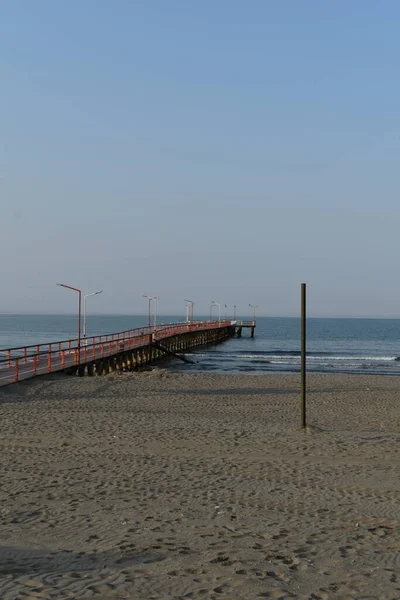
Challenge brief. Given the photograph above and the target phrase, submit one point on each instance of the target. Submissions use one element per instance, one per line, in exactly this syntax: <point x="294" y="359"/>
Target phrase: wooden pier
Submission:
<point x="126" y="351"/>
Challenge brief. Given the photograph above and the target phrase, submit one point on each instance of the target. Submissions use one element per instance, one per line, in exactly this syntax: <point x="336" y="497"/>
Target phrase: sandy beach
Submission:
<point x="165" y="485"/>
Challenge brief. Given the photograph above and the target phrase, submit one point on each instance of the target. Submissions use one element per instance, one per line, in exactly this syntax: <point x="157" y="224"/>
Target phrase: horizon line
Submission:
<point x="145" y="315"/>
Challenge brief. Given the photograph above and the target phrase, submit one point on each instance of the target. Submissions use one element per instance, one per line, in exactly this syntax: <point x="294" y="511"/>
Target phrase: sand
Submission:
<point x="168" y="485"/>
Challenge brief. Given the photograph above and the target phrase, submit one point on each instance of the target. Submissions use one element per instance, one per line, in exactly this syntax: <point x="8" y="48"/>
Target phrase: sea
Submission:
<point x="370" y="346"/>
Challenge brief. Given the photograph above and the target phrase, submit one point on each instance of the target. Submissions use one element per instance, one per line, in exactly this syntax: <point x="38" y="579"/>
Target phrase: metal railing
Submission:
<point x="23" y="362"/>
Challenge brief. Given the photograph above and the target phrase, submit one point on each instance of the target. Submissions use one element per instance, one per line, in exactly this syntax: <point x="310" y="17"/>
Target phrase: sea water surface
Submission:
<point x="333" y="345"/>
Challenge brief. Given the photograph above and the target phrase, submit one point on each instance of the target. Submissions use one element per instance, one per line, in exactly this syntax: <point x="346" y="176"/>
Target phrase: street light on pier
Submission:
<point x="84" y="309"/>
<point x="150" y="298"/>
<point x="189" y="310"/>
<point x="69" y="287"/>
<point x="155" y="312"/>
<point x="213" y="303"/>
<point x="254" y="306"/>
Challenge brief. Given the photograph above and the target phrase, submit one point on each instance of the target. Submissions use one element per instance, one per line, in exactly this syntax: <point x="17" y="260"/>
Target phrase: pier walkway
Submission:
<point x="98" y="355"/>
<point x="245" y="324"/>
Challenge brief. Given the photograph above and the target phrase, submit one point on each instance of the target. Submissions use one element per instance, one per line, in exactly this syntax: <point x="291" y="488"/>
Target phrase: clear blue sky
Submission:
<point x="217" y="150"/>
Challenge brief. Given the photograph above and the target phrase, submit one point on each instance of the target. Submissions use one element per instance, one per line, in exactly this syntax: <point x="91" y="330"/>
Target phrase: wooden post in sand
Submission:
<point x="303" y="356"/>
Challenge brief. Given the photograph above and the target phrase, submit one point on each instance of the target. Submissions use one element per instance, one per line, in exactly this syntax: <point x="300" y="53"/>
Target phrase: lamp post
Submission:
<point x="150" y="298"/>
<point x="254" y="306"/>
<point x="234" y="312"/>
<point x="69" y="287"/>
<point x="213" y="303"/>
<point x="155" y="311"/>
<point x="226" y="311"/>
<point x="189" y="310"/>
<point x="84" y="310"/>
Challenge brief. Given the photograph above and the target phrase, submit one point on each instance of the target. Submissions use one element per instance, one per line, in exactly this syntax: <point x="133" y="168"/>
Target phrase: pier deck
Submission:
<point x="239" y="325"/>
<point x="102" y="354"/>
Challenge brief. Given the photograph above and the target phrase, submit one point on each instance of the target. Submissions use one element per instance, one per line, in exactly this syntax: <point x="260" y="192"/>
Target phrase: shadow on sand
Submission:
<point x="25" y="391"/>
<point x="26" y="561"/>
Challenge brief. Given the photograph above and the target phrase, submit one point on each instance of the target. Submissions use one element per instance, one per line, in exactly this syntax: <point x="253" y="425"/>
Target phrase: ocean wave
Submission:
<point x="296" y="357"/>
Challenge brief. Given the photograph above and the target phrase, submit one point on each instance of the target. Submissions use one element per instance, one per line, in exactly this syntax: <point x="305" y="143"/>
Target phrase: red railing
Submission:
<point x="24" y="362"/>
